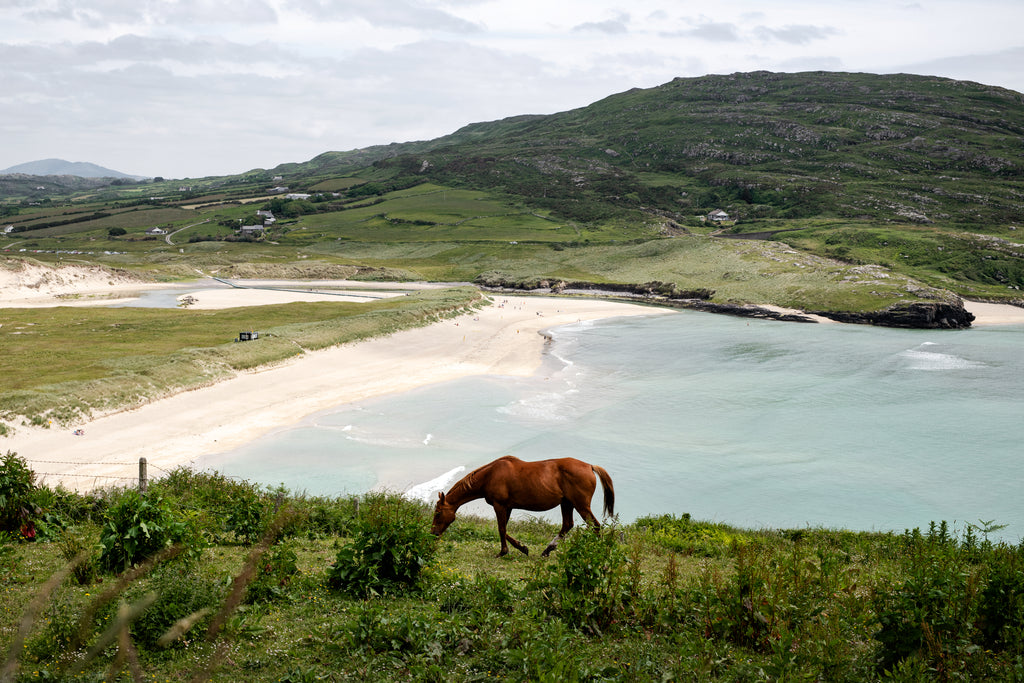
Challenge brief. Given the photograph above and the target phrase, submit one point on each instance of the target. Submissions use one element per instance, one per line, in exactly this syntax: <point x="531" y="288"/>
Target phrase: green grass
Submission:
<point x="433" y="213"/>
<point x="665" y="598"/>
<point x="738" y="271"/>
<point x="63" y="362"/>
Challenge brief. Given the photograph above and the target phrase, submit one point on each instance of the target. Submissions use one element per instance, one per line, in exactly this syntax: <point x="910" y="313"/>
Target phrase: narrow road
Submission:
<point x="169" y="235"/>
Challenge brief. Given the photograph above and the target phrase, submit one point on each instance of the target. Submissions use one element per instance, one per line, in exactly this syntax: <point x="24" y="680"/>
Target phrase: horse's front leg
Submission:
<point x="566" y="528"/>
<point x="503" y="514"/>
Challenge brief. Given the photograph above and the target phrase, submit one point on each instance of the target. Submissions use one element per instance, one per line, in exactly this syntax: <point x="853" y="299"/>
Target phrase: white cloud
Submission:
<point x="795" y="34"/>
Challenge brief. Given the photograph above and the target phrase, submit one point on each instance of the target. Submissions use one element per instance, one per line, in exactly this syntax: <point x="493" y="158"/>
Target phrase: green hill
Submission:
<point x="757" y="145"/>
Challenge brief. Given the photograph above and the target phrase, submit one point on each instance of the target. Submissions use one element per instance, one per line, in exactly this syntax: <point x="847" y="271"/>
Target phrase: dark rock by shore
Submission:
<point x="925" y="315"/>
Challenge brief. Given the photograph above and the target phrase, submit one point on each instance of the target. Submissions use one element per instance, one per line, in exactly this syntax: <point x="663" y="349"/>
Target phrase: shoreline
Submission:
<point x="505" y="338"/>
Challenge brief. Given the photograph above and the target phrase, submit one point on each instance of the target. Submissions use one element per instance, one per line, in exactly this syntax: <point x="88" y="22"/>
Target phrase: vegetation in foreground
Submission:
<point x="206" y="578"/>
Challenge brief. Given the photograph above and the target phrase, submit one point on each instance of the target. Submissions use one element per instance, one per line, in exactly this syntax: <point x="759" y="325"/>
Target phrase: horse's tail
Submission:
<point x="609" y="490"/>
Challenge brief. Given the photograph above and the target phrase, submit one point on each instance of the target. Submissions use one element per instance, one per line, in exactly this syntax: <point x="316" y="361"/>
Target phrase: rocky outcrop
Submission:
<point x="925" y="315"/>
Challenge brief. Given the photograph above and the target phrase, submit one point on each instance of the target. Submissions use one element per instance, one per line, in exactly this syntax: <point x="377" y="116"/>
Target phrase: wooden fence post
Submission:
<point x="143" y="475"/>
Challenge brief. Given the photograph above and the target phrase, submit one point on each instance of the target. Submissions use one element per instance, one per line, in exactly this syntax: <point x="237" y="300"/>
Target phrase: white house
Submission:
<point x="156" y="231"/>
<point x="9" y="229"/>
<point x="297" y="195"/>
<point x="718" y="216"/>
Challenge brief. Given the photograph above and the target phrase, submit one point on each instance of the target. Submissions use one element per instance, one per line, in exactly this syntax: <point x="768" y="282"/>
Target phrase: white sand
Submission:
<point x="995" y="314"/>
<point x="206" y="299"/>
<point x="502" y="339"/>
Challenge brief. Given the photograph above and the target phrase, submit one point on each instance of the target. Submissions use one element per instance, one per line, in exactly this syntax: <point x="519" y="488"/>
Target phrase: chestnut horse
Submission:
<point x="509" y="483"/>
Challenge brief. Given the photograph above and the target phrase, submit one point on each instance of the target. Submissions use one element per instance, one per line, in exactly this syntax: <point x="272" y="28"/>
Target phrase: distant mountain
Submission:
<point x="81" y="169"/>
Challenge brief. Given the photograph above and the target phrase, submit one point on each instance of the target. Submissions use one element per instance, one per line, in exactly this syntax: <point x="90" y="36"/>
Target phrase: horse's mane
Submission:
<point x="468" y="482"/>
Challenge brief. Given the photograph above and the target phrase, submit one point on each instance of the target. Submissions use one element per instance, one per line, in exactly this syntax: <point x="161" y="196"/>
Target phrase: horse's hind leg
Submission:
<point x="567" y="524"/>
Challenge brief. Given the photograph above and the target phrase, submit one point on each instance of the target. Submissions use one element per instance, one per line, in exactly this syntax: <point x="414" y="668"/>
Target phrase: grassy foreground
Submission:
<point x="266" y="585"/>
<point x="62" y="363"/>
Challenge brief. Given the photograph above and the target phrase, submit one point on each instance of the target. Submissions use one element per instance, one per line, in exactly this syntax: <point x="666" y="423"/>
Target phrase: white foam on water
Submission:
<point x="543" y="407"/>
<point x="427" y="440"/>
<point x="427" y="491"/>
<point x="918" y="359"/>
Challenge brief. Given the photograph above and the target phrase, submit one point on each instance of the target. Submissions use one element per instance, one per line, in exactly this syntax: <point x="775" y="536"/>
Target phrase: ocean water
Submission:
<point x="753" y="423"/>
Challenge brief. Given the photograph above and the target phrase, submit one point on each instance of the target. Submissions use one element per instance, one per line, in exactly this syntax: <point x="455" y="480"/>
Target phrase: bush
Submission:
<point x="181" y="591"/>
<point x="1001" y="605"/>
<point x="586" y="586"/>
<point x="930" y="614"/>
<point x="391" y="545"/>
<point x="17" y="484"/>
<point x="686" y="536"/>
<point x="137" y="527"/>
<point x="72" y="545"/>
<point x="246" y="517"/>
<point x="274" y="574"/>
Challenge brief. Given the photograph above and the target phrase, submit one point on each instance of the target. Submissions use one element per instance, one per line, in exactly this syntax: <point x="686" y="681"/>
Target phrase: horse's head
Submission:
<point x="444" y="515"/>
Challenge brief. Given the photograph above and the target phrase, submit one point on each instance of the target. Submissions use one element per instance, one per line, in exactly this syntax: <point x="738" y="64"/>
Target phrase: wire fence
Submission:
<point x="142" y="478"/>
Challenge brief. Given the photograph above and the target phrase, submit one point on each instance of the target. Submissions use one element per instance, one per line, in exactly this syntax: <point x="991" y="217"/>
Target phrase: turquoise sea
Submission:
<point x="748" y="422"/>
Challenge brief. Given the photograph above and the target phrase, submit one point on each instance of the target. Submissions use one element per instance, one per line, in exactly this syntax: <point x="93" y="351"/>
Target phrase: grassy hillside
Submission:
<point x="915" y="177"/>
<point x="231" y="582"/>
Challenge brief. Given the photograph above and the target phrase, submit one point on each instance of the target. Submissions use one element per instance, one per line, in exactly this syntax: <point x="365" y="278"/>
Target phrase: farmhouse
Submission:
<point x="156" y="231"/>
<point x="251" y="229"/>
<point x="718" y="216"/>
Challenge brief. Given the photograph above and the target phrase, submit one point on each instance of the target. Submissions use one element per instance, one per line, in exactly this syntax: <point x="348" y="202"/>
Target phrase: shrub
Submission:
<point x="182" y="591"/>
<point x="137" y="527"/>
<point x="246" y="517"/>
<point x="72" y="545"/>
<point x="1001" y="604"/>
<point x="274" y="574"/>
<point x="17" y="483"/>
<point x="586" y="586"/>
<point x="734" y="609"/>
<point x="683" y="535"/>
<point x="391" y="545"/>
<point x="930" y="613"/>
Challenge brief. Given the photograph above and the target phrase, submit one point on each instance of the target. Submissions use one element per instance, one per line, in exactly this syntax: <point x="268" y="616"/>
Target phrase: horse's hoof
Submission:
<point x="502" y="553"/>
<point x="525" y="551"/>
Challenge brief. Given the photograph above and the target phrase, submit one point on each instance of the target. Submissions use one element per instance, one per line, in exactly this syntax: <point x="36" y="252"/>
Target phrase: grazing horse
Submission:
<point x="509" y="483"/>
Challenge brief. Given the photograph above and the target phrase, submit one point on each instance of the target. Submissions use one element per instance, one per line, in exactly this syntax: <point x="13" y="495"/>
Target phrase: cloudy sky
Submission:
<point x="190" y="88"/>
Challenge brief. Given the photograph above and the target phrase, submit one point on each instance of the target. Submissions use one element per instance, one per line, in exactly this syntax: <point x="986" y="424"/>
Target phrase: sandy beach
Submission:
<point x="995" y="314"/>
<point x="504" y="338"/>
